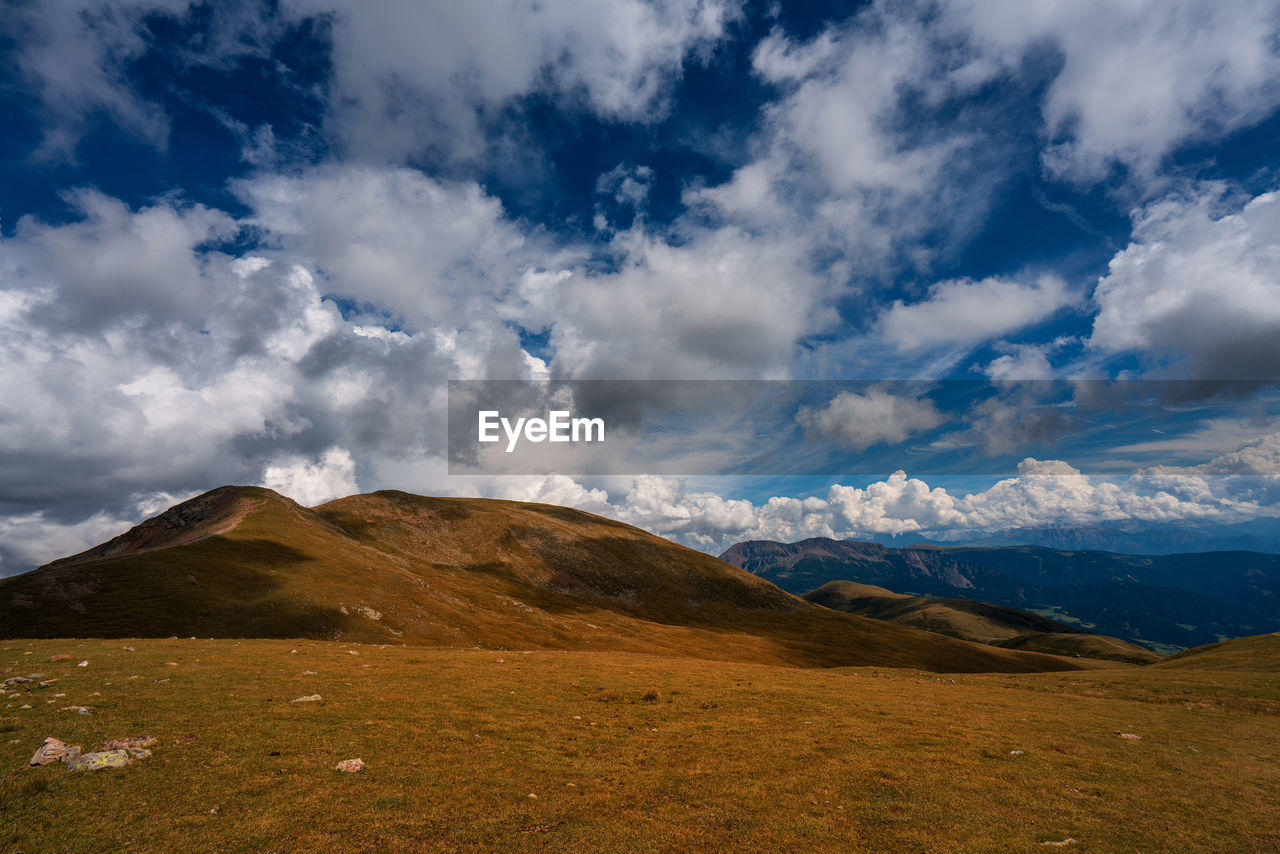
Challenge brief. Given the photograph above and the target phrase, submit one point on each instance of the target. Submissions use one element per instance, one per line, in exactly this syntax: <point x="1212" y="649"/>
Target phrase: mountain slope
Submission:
<point x="390" y="567"/>
<point x="976" y="621"/>
<point x="1179" y="600"/>
<point x="1257" y="654"/>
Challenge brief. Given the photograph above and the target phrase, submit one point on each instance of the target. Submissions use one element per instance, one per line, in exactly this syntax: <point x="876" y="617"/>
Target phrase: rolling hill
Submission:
<point x="977" y="621"/>
<point x="1178" y="600"/>
<point x="390" y="567"/>
<point x="1257" y="654"/>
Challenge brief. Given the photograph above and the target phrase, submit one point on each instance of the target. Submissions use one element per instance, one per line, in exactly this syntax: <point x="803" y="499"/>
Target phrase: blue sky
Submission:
<point x="252" y="241"/>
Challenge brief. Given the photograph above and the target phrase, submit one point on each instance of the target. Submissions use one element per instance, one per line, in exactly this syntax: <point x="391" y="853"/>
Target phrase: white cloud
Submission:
<point x="968" y="312"/>
<point x="309" y="482"/>
<point x="411" y="77"/>
<point x="1137" y="79"/>
<point x="1199" y="285"/>
<point x="33" y="539"/>
<point x="859" y="421"/>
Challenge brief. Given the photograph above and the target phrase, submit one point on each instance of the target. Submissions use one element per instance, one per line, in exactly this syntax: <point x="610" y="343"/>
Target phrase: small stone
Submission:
<point x="84" y="663"/>
<point x="532" y="796"/>
<point x="313" y="698"/>
<point x="25" y="706"/>
<point x="1016" y="753"/>
<point x="16" y="680"/>
<point x="1127" y="735"/>
<point x="352" y="652"/>
<point x="1063" y="844"/>
<point x="350" y="766"/>
<point x="215" y="811"/>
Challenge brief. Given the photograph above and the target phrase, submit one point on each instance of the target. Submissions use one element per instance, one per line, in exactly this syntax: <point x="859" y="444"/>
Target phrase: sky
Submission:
<point x="252" y="242"/>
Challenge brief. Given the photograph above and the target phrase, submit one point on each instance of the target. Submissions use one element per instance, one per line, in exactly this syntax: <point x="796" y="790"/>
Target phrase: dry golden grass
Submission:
<point x="628" y="752"/>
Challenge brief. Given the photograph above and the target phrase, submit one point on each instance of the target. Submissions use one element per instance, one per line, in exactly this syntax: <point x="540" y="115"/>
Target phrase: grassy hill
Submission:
<point x="626" y="752"/>
<point x="390" y="567"/>
<point x="977" y="621"/>
<point x="1257" y="654"/>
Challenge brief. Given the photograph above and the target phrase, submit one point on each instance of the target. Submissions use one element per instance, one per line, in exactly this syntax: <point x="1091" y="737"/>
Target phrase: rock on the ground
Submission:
<point x="54" y="750"/>
<point x="100" y="760"/>
<point x="350" y="765"/>
<point x="313" y="698"/>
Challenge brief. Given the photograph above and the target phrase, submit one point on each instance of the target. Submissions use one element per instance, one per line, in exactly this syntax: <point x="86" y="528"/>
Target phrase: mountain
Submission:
<point x="1179" y="600"/>
<point x="1257" y="654"/>
<point x="1257" y="535"/>
<point x="390" y="567"/>
<point x="977" y="621"/>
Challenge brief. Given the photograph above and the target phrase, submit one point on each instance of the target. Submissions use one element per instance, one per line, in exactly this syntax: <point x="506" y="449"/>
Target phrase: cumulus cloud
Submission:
<point x="310" y="482"/>
<point x="1197" y="285"/>
<point x="967" y="312"/>
<point x="859" y="421"/>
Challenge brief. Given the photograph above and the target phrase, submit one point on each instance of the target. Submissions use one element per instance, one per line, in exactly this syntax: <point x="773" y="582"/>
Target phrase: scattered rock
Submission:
<point x="17" y="680"/>
<point x="352" y="652"/>
<point x="532" y="796"/>
<point x="101" y="760"/>
<point x="171" y="663"/>
<point x="25" y="706"/>
<point x="314" y="698"/>
<point x="214" y="811"/>
<point x="1126" y="734"/>
<point x="80" y="710"/>
<point x="1017" y="753"/>
<point x="350" y="766"/>
<point x="46" y="683"/>
<point x="62" y="656"/>
<point x="84" y="663"/>
<point x="54" y="750"/>
<point x="1063" y="844"/>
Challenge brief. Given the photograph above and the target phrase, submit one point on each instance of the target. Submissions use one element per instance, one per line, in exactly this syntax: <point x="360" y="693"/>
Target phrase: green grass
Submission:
<point x="628" y="752"/>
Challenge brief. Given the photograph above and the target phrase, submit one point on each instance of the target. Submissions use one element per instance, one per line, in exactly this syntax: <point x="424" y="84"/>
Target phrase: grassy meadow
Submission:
<point x="608" y="751"/>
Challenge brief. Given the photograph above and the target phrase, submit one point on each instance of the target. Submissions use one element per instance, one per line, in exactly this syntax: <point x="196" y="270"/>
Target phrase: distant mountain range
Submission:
<point x="1256" y="535"/>
<point x="390" y="567"/>
<point x="1177" y="600"/>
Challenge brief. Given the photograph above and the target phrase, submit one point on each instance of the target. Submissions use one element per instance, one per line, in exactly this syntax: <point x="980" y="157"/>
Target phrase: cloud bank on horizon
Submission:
<point x="252" y="242"/>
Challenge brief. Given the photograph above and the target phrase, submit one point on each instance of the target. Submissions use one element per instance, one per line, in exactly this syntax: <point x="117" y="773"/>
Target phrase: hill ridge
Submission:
<point x="393" y="567"/>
